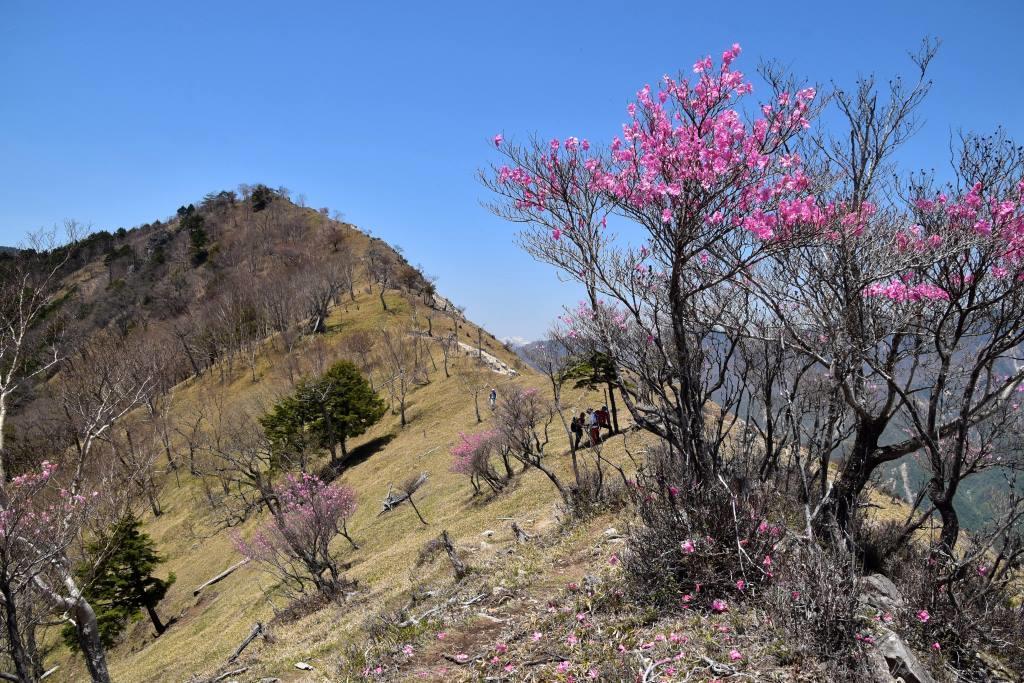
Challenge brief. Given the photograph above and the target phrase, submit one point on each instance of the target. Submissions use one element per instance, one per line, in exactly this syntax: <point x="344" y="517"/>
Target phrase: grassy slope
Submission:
<point x="210" y="627"/>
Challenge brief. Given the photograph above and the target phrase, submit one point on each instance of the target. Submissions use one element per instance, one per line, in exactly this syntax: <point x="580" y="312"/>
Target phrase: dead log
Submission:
<point x="393" y="500"/>
<point x="220" y="577"/>
<point x="453" y="556"/>
<point x="521" y="536"/>
<point x="256" y="630"/>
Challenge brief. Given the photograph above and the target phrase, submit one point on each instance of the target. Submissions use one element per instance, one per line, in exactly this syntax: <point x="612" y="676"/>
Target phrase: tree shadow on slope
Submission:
<point x="329" y="472"/>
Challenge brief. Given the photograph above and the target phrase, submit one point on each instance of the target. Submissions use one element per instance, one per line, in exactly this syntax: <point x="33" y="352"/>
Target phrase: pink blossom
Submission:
<point x="735" y="655"/>
<point x="741" y="584"/>
<point x="936" y="647"/>
<point x="688" y="546"/>
<point x="498" y="139"/>
<point x="923" y="616"/>
<point x="719" y="606"/>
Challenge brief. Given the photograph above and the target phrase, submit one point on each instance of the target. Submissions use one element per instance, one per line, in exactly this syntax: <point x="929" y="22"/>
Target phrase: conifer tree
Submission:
<point x="118" y="578"/>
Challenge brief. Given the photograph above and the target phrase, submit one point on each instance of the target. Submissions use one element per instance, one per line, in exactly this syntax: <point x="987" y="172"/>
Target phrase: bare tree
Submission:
<point x="381" y="268"/>
<point x="411" y="485"/>
<point x="28" y="284"/>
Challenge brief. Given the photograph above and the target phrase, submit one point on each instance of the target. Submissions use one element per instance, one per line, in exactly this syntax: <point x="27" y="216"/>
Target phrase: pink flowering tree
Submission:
<point x="39" y="523"/>
<point x="473" y="456"/>
<point x="56" y="490"/>
<point x="295" y="543"/>
<point x="965" y="256"/>
<point x="907" y="305"/>
<point x="710" y="193"/>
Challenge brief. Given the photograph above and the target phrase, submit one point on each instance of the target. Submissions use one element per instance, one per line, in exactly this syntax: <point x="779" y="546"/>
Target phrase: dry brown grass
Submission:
<point x="210" y="627"/>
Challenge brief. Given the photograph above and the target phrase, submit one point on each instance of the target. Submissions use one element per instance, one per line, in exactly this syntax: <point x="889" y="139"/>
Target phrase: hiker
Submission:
<point x="604" y="419"/>
<point x="493" y="398"/>
<point x="577" y="430"/>
<point x="595" y="429"/>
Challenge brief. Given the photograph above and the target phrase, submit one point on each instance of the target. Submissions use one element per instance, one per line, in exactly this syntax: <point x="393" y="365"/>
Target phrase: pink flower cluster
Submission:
<point x="900" y="291"/>
<point x="682" y="144"/>
<point x="470" y="449"/>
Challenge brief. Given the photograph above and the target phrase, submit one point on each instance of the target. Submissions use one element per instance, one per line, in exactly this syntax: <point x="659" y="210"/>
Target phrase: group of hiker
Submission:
<point x="591" y="422"/>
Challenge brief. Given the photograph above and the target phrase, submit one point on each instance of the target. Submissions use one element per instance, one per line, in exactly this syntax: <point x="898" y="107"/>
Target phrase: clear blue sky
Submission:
<point x="114" y="114"/>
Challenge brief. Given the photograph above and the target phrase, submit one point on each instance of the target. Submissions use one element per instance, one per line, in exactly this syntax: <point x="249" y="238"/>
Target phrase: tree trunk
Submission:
<point x="853" y="477"/>
<point x="413" y="503"/>
<point x="613" y="406"/>
<point x="943" y="502"/>
<point x="18" y="652"/>
<point x="155" y="618"/>
<point x="88" y="632"/>
<point x="453" y="556"/>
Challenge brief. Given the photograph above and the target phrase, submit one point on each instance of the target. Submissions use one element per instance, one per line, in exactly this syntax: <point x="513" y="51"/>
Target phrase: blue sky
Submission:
<point x="114" y="114"/>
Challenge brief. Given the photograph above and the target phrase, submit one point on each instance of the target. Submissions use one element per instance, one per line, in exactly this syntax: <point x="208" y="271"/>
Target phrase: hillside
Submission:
<point x="228" y="309"/>
<point x="146" y="282"/>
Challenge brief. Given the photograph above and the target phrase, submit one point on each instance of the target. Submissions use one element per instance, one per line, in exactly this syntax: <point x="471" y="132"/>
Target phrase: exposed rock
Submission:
<point x="879" y="592"/>
<point x="270" y="680"/>
<point x="902" y="662"/>
<point x="611" y="532"/>
<point x="487" y="534"/>
<point x="996" y="671"/>
<point x="876" y="668"/>
<point x="303" y="666"/>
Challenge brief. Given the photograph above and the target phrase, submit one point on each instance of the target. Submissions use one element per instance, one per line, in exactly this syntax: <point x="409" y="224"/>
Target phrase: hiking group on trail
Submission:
<point x="591" y="422"/>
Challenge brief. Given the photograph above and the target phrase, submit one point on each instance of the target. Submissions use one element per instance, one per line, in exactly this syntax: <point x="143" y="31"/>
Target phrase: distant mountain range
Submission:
<point x="530" y="352"/>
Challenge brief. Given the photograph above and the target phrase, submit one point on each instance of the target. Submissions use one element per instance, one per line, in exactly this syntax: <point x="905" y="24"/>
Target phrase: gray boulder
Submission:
<point x="902" y="661"/>
<point x="879" y="592"/>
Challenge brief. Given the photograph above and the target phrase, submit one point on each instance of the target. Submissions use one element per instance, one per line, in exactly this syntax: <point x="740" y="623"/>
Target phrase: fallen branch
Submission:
<point x="413" y="621"/>
<point x="547" y="659"/>
<point x="256" y="630"/>
<point x="220" y="577"/>
<point x="229" y="673"/>
<point x="456" y="660"/>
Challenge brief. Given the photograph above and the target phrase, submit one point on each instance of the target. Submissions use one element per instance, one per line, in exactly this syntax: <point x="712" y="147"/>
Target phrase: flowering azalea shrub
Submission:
<point x="961" y="606"/>
<point x="699" y="546"/>
<point x="473" y="456"/>
<point x="294" y="544"/>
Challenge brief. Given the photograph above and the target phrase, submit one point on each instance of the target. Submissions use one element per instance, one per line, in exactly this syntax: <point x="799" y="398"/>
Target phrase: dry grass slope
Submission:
<point x="211" y="625"/>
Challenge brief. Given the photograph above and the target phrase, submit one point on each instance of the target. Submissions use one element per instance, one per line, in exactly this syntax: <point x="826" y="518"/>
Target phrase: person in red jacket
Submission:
<point x="604" y="419"/>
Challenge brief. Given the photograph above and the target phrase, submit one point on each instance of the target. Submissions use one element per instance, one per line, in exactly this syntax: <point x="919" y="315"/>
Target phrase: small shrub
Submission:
<point x="694" y="543"/>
